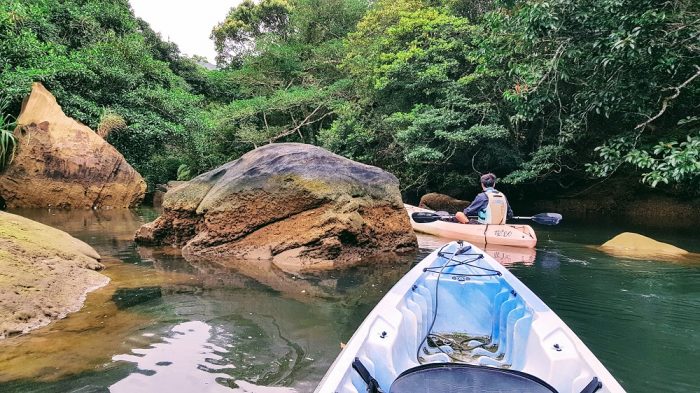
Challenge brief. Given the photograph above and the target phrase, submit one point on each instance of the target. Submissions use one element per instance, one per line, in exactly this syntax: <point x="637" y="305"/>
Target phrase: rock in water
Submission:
<point x="298" y="205"/>
<point x="44" y="274"/>
<point x="437" y="202"/>
<point x="634" y="245"/>
<point x="62" y="163"/>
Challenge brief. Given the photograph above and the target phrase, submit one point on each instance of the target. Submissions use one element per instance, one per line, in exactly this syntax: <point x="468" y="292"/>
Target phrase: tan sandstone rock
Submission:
<point x="298" y="205"/>
<point x="44" y="274"/>
<point x="62" y="163"/>
<point x="634" y="245"/>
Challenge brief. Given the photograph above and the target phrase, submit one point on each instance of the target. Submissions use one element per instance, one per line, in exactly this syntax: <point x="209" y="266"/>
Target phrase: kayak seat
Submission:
<point x="464" y="378"/>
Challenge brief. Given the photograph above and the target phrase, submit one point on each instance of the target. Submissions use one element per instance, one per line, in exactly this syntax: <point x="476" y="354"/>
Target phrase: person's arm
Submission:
<point x="509" y="215"/>
<point x="479" y="203"/>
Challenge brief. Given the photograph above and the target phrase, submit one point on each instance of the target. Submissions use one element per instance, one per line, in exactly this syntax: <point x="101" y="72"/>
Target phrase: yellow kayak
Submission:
<point x="513" y="235"/>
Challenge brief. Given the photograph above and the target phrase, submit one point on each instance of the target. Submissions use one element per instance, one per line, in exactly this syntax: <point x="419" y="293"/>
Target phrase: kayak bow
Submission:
<point x="458" y="321"/>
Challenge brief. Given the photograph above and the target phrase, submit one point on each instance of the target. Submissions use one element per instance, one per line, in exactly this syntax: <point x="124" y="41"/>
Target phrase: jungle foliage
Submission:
<point x="435" y="91"/>
<point x="101" y="62"/>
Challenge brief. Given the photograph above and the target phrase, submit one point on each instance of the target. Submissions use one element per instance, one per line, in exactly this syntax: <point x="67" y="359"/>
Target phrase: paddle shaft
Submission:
<point x="447" y="215"/>
<point x="514" y="218"/>
<point x="542" y="218"/>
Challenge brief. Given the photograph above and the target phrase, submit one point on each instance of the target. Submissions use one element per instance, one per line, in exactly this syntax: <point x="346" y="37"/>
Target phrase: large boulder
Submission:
<point x="298" y="205"/>
<point x="44" y="274"/>
<point x="62" y="163"/>
<point x="437" y="202"/>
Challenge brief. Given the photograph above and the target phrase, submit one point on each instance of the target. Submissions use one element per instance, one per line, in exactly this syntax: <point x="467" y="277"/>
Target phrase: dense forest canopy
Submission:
<point x="555" y="92"/>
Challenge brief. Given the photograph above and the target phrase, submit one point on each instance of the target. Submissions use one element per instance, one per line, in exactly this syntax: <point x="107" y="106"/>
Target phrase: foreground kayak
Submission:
<point x="460" y="322"/>
<point x="513" y="235"/>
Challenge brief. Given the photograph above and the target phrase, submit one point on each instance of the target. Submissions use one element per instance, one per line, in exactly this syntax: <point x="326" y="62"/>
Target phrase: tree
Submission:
<point x="245" y="23"/>
<point x="288" y="77"/>
<point x="418" y="108"/>
<point x="616" y="74"/>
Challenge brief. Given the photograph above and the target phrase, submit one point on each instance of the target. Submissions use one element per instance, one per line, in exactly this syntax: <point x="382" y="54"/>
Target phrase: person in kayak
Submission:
<point x="490" y="206"/>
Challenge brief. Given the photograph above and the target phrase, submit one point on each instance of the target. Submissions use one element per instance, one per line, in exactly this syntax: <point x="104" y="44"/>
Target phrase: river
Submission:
<point x="164" y="324"/>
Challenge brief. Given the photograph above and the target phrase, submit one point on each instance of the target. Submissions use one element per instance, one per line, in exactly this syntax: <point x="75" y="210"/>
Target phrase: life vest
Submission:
<point x="496" y="210"/>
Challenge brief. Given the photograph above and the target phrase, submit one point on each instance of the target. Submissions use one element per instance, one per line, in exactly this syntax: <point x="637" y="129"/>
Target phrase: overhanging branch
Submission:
<point x="668" y="100"/>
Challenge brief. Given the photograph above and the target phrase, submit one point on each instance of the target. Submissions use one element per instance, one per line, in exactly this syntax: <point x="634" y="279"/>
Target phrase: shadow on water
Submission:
<point x="168" y="324"/>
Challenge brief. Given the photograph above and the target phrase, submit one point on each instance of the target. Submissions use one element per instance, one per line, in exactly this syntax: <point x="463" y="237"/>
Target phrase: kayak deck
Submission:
<point x="465" y="308"/>
<point x="513" y="235"/>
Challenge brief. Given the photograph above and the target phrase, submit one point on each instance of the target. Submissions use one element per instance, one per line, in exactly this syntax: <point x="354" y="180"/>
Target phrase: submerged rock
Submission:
<point x="62" y="163"/>
<point x="634" y="245"/>
<point x="44" y="274"/>
<point x="297" y="205"/>
<point x="437" y="202"/>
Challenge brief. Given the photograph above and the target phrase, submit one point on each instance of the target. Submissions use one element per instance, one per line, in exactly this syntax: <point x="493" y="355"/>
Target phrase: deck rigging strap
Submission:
<point x="461" y="251"/>
<point x="442" y="254"/>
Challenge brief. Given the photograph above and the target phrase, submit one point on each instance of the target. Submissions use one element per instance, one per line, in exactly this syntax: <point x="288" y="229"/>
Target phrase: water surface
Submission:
<point x="166" y="324"/>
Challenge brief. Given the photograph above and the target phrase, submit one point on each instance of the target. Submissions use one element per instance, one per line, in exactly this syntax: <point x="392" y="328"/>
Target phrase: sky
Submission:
<point x="187" y="23"/>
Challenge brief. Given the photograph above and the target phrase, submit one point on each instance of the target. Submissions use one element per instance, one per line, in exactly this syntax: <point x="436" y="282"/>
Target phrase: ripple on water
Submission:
<point x="186" y="361"/>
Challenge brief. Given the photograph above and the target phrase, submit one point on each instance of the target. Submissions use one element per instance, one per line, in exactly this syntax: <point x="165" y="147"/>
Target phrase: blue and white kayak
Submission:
<point x="461" y="322"/>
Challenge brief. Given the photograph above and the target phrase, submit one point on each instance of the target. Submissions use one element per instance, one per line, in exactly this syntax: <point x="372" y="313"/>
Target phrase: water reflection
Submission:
<point x="185" y="362"/>
<point x="363" y="281"/>
<point x="87" y="339"/>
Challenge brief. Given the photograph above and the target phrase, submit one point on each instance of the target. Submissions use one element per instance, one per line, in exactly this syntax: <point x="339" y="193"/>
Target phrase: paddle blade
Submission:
<point x="425" y="217"/>
<point x="547" y="218"/>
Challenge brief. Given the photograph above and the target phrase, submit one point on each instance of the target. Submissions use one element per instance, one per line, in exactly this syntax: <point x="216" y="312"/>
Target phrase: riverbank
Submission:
<point x="661" y="211"/>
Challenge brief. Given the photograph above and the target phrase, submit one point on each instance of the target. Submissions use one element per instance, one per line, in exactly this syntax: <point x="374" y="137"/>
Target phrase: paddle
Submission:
<point x="542" y="218"/>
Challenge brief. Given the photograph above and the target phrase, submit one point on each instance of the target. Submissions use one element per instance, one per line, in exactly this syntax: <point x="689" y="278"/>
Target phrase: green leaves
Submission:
<point x="7" y="139"/>
<point x="575" y="74"/>
<point x="235" y="36"/>
<point x="288" y="81"/>
<point x="433" y="91"/>
<point x="667" y="162"/>
<point x="429" y="115"/>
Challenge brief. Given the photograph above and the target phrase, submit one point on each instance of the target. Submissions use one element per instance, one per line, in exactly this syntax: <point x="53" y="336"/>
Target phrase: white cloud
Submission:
<point x="187" y="23"/>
